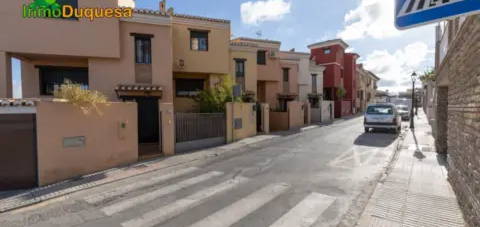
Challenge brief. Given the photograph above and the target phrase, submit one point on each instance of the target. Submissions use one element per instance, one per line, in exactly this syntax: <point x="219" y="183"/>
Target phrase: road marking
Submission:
<point x="138" y="185"/>
<point x="307" y="212"/>
<point x="135" y="201"/>
<point x="240" y="209"/>
<point x="174" y="209"/>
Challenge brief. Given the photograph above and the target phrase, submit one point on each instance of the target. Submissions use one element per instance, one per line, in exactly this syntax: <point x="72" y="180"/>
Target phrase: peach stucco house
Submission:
<point x="277" y="80"/>
<point x="127" y="59"/>
<point x="310" y="80"/>
<point x="201" y="57"/>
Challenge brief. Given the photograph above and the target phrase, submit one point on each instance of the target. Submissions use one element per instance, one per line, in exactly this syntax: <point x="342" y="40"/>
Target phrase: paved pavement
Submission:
<point x="416" y="191"/>
<point x="318" y="177"/>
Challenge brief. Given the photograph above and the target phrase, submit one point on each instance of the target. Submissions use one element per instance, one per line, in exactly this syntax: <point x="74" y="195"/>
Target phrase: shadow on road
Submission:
<point x="375" y="139"/>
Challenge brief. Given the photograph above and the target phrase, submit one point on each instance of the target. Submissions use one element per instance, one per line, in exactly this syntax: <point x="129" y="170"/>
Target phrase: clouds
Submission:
<point x="17" y="89"/>
<point x="126" y="3"/>
<point x="372" y="18"/>
<point x="395" y="68"/>
<point x="254" y="13"/>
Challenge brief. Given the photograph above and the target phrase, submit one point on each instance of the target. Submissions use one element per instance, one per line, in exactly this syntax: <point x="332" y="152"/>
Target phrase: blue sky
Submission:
<point x="367" y="25"/>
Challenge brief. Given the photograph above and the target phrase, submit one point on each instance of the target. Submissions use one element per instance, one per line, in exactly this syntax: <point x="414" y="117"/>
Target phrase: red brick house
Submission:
<point x="339" y="74"/>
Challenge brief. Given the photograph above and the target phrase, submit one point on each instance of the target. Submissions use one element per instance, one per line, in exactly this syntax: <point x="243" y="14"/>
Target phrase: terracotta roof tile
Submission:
<point x="202" y="18"/>
<point x="158" y="13"/>
<point x="138" y="87"/>
<point x="243" y="44"/>
<point x="240" y="39"/>
<point x="17" y="102"/>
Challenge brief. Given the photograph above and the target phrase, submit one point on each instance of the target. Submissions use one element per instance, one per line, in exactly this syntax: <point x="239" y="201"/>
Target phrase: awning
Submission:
<point x="138" y="90"/>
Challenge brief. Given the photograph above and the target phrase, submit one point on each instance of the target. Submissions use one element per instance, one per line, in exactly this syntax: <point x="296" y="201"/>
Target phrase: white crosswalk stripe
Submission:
<point x="138" y="185"/>
<point x="135" y="201"/>
<point x="305" y="213"/>
<point x="243" y="207"/>
<point x="171" y="210"/>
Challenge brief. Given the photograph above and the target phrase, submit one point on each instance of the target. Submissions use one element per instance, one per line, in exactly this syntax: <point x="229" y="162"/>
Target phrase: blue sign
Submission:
<point x="412" y="13"/>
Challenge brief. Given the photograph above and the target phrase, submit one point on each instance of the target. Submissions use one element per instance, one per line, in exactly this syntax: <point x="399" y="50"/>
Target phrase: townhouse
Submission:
<point x="339" y="83"/>
<point x="200" y="54"/>
<point x="310" y="81"/>
<point x="366" y="88"/>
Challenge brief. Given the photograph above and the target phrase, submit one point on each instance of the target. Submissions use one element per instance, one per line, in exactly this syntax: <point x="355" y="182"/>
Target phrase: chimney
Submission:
<point x="163" y="6"/>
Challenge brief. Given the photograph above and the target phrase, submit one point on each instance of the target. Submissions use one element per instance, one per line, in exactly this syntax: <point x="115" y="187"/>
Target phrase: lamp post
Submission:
<point x="414" y="78"/>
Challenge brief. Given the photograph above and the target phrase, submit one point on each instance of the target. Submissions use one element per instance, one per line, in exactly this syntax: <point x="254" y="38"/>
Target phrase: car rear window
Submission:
<point x="385" y="110"/>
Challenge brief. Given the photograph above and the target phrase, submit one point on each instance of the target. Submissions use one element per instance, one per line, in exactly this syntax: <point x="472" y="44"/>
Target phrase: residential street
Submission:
<point x="314" y="176"/>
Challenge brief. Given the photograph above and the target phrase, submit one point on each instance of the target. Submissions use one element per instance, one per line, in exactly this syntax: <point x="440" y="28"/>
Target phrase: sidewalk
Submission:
<point x="416" y="191"/>
<point x="11" y="200"/>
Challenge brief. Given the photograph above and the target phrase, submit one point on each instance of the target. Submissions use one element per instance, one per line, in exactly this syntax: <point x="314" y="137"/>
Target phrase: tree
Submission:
<point x="213" y="100"/>
<point x="428" y="75"/>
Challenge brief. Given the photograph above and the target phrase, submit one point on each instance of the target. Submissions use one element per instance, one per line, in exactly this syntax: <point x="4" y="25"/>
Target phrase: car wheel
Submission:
<point x="395" y="131"/>
<point x="367" y="130"/>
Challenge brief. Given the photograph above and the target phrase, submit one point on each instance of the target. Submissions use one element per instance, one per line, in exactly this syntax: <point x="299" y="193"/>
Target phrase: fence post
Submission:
<point x="167" y="119"/>
<point x="229" y="121"/>
<point x="265" y="117"/>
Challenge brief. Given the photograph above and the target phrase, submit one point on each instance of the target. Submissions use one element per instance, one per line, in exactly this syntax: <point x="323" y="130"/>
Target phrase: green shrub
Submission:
<point x="341" y="92"/>
<point x="86" y="100"/>
<point x="213" y="100"/>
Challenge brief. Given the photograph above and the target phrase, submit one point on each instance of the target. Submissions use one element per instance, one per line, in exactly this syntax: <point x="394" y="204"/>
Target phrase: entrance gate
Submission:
<point x="18" y="165"/>
<point x="199" y="130"/>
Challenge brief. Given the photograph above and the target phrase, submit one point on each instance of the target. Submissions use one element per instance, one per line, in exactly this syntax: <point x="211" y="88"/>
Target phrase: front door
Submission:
<point x="148" y="120"/>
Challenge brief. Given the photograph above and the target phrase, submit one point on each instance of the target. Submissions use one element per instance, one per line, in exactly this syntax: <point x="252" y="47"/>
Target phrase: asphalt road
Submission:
<point x="315" y="178"/>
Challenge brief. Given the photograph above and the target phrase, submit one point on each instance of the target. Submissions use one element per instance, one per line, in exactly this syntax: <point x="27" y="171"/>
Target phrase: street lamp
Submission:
<point x="414" y="78"/>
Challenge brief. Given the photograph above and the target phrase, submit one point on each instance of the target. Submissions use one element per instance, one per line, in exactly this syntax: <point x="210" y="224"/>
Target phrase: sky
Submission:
<point x="366" y="25"/>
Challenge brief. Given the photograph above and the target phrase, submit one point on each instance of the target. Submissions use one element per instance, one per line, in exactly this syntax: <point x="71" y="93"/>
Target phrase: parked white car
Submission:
<point x="382" y="116"/>
<point x="404" y="112"/>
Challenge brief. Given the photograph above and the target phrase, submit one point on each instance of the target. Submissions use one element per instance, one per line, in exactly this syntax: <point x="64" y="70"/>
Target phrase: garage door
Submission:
<point x="18" y="158"/>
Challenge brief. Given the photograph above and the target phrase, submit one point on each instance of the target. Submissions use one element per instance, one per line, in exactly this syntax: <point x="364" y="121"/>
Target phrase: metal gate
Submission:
<point x="199" y="130"/>
<point x="259" y="118"/>
<point x="18" y="165"/>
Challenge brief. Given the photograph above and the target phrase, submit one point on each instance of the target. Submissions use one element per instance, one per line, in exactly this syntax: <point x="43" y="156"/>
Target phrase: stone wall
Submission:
<point x="441" y="134"/>
<point x="462" y="67"/>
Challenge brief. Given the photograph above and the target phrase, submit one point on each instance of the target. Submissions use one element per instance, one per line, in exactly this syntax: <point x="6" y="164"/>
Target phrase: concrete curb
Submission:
<point x="63" y="188"/>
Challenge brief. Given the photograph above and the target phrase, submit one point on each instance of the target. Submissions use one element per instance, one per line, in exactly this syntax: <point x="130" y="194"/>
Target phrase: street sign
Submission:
<point x="412" y="13"/>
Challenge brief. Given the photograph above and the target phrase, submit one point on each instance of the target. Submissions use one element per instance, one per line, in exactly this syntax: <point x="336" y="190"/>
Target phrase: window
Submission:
<point x="380" y="110"/>
<point x="286" y="72"/>
<point x="73" y="3"/>
<point x="52" y="77"/>
<point x="240" y="67"/>
<point x="50" y="11"/>
<point x="261" y="57"/>
<point x="188" y="87"/>
<point x="240" y="72"/>
<point x="199" y="40"/>
<point x="314" y="83"/>
<point x="143" y="50"/>
<point x="327" y="51"/>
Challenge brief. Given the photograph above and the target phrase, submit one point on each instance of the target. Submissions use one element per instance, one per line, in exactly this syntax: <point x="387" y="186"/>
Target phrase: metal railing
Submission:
<point x="197" y="126"/>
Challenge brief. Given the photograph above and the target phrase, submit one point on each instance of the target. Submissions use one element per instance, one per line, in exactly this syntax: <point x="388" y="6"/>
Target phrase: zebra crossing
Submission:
<point x="305" y="213"/>
<point x="413" y="6"/>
